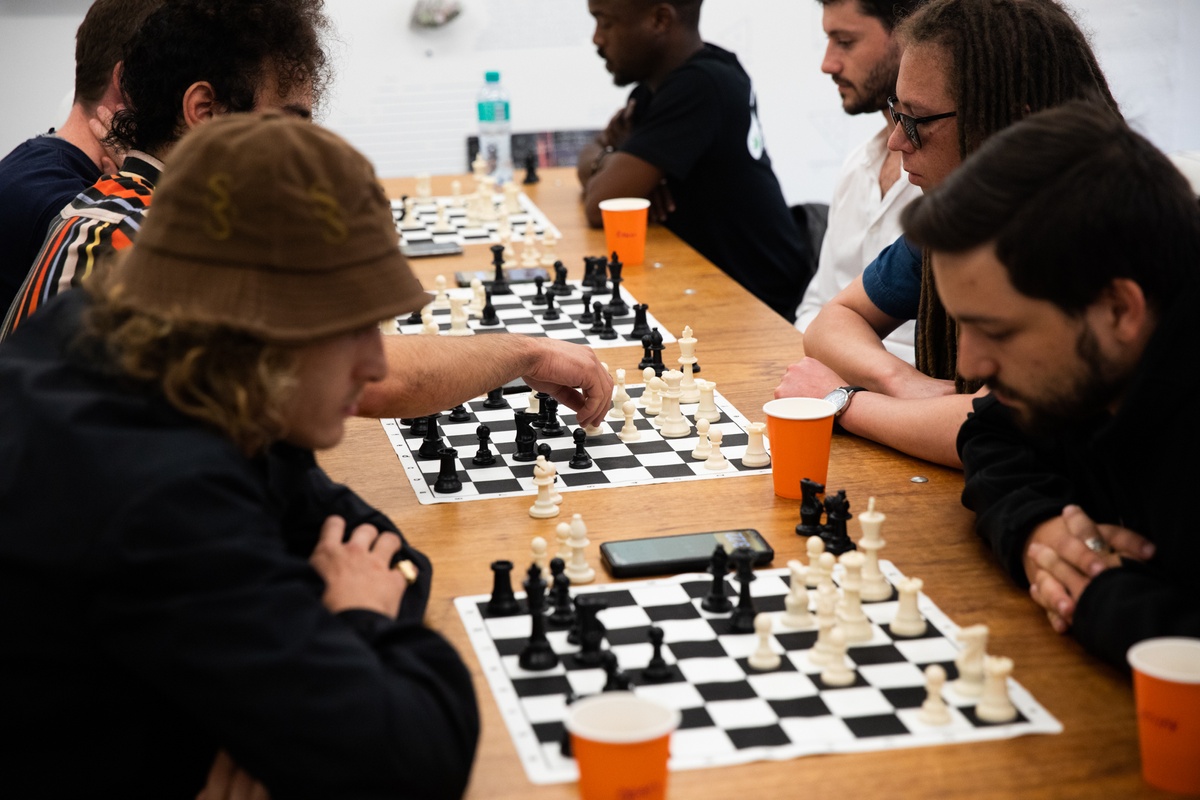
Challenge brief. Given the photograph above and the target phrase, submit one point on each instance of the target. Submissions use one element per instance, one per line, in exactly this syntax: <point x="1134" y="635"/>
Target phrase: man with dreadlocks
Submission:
<point x="969" y="69"/>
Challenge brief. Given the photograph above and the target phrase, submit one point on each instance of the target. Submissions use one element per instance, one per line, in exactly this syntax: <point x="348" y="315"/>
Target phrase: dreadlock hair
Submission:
<point x="1007" y="59"/>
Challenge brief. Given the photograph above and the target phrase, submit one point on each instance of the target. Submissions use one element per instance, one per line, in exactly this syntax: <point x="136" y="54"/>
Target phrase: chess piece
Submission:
<point x="581" y="460"/>
<point x="756" y="452"/>
<point x="448" y="481"/>
<point x="742" y="618"/>
<point x="994" y="704"/>
<point x="503" y="603"/>
<point x="934" y="710"/>
<point x="875" y="586"/>
<point x="544" y="506"/>
<point x="707" y="409"/>
<point x="563" y="534"/>
<point x="715" y="461"/>
<point x="837" y="673"/>
<point x="703" y="448"/>
<point x="717" y="600"/>
<point x="851" y="619"/>
<point x="908" y="620"/>
<point x="484" y="457"/>
<point x="537" y="553"/>
<point x="689" y="391"/>
<point x="657" y="670"/>
<point x="970" y="661"/>
<point x="837" y="514"/>
<point x="672" y="423"/>
<point x="815" y="546"/>
<point x="763" y="657"/>
<point x="812" y="506"/>
<point x="620" y="397"/>
<point x="629" y="431"/>
<point x="577" y="568"/>
<point x="796" y="615"/>
<point x="563" y="614"/>
<point x="460" y="414"/>
<point x="537" y="655"/>
<point x="432" y="446"/>
<point x="821" y="653"/>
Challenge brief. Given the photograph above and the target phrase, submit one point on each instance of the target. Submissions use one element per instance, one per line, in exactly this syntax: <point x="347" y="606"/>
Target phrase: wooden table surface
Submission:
<point x="745" y="349"/>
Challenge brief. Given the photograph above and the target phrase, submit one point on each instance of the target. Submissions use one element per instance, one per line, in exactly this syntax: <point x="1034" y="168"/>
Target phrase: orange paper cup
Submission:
<point x="625" y="227"/>
<point x="621" y="743"/>
<point x="1166" y="686"/>
<point x="799" y="430"/>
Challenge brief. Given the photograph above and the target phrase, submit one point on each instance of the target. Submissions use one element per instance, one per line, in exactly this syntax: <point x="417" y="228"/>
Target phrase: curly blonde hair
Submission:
<point x="226" y="378"/>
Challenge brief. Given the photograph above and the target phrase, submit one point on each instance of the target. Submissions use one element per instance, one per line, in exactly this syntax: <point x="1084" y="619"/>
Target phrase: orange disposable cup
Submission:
<point x="621" y="743"/>
<point x="625" y="227"/>
<point x="800" y="430"/>
<point x="1166" y="687"/>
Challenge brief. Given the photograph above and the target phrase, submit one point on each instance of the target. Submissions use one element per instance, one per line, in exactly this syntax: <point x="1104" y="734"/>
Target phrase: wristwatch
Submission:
<point x="840" y="397"/>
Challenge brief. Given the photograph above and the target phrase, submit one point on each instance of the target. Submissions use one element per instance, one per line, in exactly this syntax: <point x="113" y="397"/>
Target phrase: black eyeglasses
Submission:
<point x="910" y="123"/>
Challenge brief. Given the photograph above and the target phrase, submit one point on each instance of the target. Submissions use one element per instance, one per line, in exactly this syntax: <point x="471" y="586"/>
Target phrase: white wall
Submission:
<point x="405" y="96"/>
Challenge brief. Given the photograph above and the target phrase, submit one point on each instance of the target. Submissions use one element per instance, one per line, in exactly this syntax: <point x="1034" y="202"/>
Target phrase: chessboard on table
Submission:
<point x="460" y="229"/>
<point x="653" y="459"/>
<point x="732" y="713"/>
<point x="519" y="314"/>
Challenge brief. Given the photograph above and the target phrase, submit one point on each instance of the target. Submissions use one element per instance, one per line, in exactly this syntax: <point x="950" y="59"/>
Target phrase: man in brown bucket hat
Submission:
<point x="182" y="588"/>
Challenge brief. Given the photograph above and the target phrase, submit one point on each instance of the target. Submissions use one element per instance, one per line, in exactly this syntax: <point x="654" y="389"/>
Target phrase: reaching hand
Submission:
<point x="358" y="572"/>
<point x="573" y="376"/>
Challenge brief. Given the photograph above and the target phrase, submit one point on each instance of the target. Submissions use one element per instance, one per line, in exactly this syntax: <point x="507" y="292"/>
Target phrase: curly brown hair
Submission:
<point x="230" y="380"/>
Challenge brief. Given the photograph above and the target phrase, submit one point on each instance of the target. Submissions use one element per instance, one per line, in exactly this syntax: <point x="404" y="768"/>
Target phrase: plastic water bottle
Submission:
<point x="495" y="129"/>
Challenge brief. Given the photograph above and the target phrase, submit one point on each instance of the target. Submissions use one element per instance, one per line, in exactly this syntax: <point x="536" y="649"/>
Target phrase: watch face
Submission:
<point x="838" y="397"/>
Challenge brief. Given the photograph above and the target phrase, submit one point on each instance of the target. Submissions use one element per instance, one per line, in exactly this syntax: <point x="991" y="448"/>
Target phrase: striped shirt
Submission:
<point x="104" y="218"/>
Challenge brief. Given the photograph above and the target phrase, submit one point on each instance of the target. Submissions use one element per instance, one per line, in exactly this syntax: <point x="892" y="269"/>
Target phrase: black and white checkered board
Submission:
<point x="733" y="714"/>
<point x="459" y="231"/>
<point x="653" y="459"/>
<point x="519" y="314"/>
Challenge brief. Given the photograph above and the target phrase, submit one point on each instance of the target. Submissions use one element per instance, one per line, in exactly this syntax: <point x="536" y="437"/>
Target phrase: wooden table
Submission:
<point x="745" y="348"/>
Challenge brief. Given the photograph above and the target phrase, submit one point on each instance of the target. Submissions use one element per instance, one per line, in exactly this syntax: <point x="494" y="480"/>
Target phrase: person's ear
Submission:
<point x="1124" y="312"/>
<point x="199" y="104"/>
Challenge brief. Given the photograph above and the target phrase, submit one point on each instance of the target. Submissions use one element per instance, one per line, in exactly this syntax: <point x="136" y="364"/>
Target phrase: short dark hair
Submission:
<point x="1073" y="199"/>
<point x="232" y="44"/>
<point x="100" y="42"/>
<point x="688" y="11"/>
<point x="888" y="12"/>
<point x="1010" y="58"/>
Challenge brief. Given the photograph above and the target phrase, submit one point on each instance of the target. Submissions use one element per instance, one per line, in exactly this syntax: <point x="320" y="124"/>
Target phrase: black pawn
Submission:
<point x="545" y="450"/>
<point x="419" y="426"/>
<point x="531" y="175"/>
<point x="537" y="655"/>
<point x="616" y="680"/>
<point x="447" y="479"/>
<point x="503" y="602"/>
<point x="581" y="460"/>
<point x="539" y="299"/>
<point x="551" y="313"/>
<point x="656" y="348"/>
<point x="563" y="614"/>
<point x="414" y="318"/>
<point x="640" y="326"/>
<point x="657" y="670"/>
<point x="483" y="456"/>
<point x="499" y="283"/>
<point x="597" y="317"/>
<point x="432" y="446"/>
<point x="608" y="332"/>
<point x="742" y="618"/>
<point x="587" y="317"/>
<point x="717" y="601"/>
<point x="495" y="399"/>
<point x="459" y="414"/>
<point x="526" y="437"/>
<point x="488" y="318"/>
<point x="811" y="507"/>
<point x="647" y="355"/>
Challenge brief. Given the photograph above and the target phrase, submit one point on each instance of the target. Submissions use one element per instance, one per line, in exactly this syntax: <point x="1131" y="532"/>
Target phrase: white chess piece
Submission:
<point x="703" y="447"/>
<point x="459" y="318"/>
<point x="837" y="673"/>
<point x="443" y="224"/>
<point x="875" y="586"/>
<point x="934" y="710"/>
<point x="620" y="397"/>
<point x="563" y="532"/>
<point x="756" y="451"/>
<point x="796" y="615"/>
<point x="763" y="657"/>
<point x="672" y="423"/>
<point x="512" y="198"/>
<point x="708" y="404"/>
<point x="629" y="431"/>
<point x="820" y="654"/>
<point x="715" y="461"/>
<point x="534" y="405"/>
<point x="994" y="704"/>
<point x="644" y="397"/>
<point x="577" y="568"/>
<point x="970" y="660"/>
<point x="555" y="497"/>
<point x="655" y="387"/>
<point x="544" y="506"/>
<point x="530" y="257"/>
<point x="441" y="299"/>
<point x="908" y="620"/>
<point x="851" y="619"/>
<point x="537" y="552"/>
<point x="688" y="387"/>
<point x="429" y="326"/>
<point x="478" y="297"/>
<point x="815" y="546"/>
<point x="456" y="198"/>
<point x="549" y="243"/>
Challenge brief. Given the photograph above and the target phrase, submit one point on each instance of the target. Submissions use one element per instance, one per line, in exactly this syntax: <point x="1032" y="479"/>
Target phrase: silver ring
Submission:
<point x="1096" y="545"/>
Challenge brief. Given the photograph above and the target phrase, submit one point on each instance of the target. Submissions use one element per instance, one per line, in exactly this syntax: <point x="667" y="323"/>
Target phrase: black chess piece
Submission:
<point x="616" y="680"/>
<point x="552" y="426"/>
<point x="537" y="655"/>
<point x="495" y="399"/>
<point x="600" y="276"/>
<point x="484" y="457"/>
<point x="811" y="507"/>
<point x="581" y="459"/>
<point x="640" y="326"/>
<point x="540" y="417"/>
<point x="488" y="318"/>
<point x="499" y="283"/>
<point x="531" y="175"/>
<point x="587" y="318"/>
<point x="414" y="318"/>
<point x="526" y="437"/>
<point x="597" y="317"/>
<point x="539" y="299"/>
<point x="560" y="286"/>
<point x="564" y="743"/>
<point x="448" y="481"/>
<point x="657" y="670"/>
<point x="551" y="313"/>
<point x="591" y="629"/>
<point x="563" y="614"/>
<point x="545" y="450"/>
<point x="717" y="600"/>
<point x="419" y="426"/>
<point x="459" y="414"/>
<point x="742" y="618"/>
<point x="647" y="355"/>
<point x="617" y="304"/>
<point x="503" y="603"/>
<point x="837" y="514"/>
<point x="431" y="447"/>
<point x="608" y="331"/>
<point x="656" y="350"/>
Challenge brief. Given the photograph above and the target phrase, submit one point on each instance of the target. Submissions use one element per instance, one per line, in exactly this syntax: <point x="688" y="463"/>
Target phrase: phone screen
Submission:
<point x="684" y="553"/>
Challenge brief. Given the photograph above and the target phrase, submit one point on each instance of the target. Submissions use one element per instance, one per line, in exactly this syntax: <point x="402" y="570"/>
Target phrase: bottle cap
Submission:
<point x="492" y="77"/>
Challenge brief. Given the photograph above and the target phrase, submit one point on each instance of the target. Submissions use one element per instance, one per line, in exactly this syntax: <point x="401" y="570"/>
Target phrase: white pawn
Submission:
<point x="530" y="257"/>
<point x="970" y="660"/>
<point x="815" y="546"/>
<point x="537" y="552"/>
<point x="544" y="506"/>
<point x="549" y="241"/>
<point x="820" y="654"/>
<point x="442" y="223"/>
<point x="763" y="657"/>
<point x="512" y="200"/>
<point x="563" y="531"/>
<point x="837" y="673"/>
<point x="756" y="451"/>
<point x="908" y="620"/>
<point x="851" y="619"/>
<point x="703" y="447"/>
<point x="994" y="705"/>
<point x="644" y="400"/>
<point x="825" y="563"/>
<point x="620" y="396"/>
<point x="708" y="404"/>
<point x="797" y="616"/>
<point x="934" y="710"/>
<point x="429" y="326"/>
<point x="441" y="299"/>
<point x="459" y="318"/>
<point x="577" y="568"/>
<point x="656" y="387"/>
<point x="629" y="431"/>
<point x="716" y="461"/>
<point x="478" y="297"/>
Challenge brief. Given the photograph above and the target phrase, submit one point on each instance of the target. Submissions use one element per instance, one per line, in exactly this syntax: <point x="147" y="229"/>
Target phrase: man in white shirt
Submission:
<point x="864" y="213"/>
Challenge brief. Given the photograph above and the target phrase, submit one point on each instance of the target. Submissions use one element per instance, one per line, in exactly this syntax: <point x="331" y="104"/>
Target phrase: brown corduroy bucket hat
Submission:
<point x="272" y="225"/>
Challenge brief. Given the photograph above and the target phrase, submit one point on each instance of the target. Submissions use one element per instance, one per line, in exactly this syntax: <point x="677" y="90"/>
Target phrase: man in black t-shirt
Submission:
<point x="690" y="140"/>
